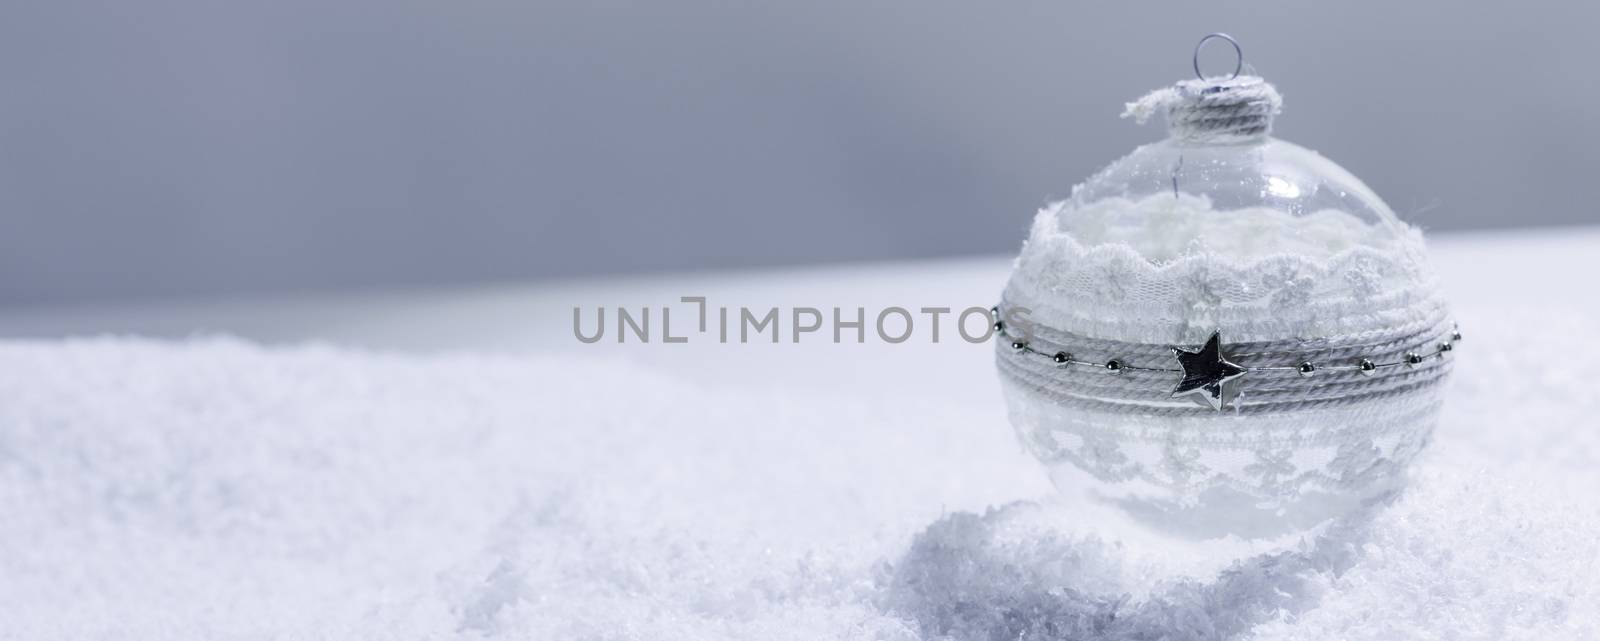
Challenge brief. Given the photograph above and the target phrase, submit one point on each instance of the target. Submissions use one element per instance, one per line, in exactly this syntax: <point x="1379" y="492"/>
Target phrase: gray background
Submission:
<point x="190" y="149"/>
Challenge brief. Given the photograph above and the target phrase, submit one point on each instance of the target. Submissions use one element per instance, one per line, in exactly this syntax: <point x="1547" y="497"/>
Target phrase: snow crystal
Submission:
<point x="214" y="489"/>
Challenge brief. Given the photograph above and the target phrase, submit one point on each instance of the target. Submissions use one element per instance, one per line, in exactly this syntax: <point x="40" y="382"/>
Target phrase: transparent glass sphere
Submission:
<point x="1261" y="240"/>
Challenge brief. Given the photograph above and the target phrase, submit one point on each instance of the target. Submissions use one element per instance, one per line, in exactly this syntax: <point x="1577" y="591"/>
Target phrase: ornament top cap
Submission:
<point x="1223" y="109"/>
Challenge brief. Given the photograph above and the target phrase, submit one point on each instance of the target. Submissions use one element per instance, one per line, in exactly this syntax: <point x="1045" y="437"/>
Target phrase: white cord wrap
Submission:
<point x="1145" y="391"/>
<point x="1212" y="110"/>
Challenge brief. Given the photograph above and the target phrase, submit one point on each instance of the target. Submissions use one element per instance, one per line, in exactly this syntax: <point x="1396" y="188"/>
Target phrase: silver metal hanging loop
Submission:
<point x="1237" y="50"/>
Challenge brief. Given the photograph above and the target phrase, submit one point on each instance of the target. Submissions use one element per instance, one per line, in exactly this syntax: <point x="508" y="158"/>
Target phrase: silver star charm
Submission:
<point x="1208" y="378"/>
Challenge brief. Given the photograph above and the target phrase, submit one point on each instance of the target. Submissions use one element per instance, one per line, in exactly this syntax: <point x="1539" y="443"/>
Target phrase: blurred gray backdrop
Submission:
<point x="198" y="148"/>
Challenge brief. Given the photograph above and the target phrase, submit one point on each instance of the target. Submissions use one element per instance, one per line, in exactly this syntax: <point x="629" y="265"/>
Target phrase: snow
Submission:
<point x="1161" y="229"/>
<point x="210" y="487"/>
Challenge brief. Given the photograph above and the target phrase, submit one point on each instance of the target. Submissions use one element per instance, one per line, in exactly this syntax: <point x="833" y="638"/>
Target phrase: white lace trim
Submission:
<point x="1111" y="291"/>
<point x="1359" y="450"/>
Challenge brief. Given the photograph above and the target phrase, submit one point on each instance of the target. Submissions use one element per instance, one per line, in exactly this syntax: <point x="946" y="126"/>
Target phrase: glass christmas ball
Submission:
<point x="1260" y="302"/>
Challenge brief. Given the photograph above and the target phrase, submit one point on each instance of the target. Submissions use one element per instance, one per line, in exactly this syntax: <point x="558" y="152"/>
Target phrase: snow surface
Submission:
<point x="214" y="488"/>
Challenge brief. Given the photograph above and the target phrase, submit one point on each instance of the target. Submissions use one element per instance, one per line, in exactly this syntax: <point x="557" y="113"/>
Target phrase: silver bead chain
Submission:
<point x="1305" y="368"/>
